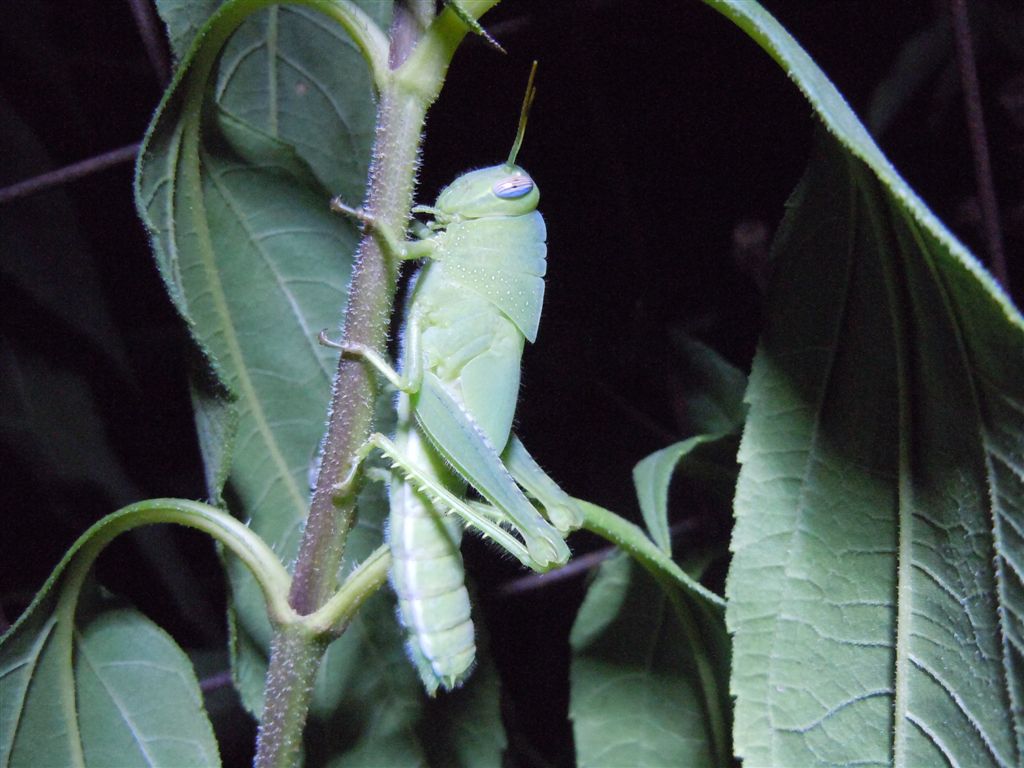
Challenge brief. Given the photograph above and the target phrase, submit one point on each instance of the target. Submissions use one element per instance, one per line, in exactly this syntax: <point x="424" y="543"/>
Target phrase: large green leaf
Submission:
<point x="297" y="76"/>
<point x="252" y="256"/>
<point x="109" y="667"/>
<point x="874" y="594"/>
<point x="100" y="688"/>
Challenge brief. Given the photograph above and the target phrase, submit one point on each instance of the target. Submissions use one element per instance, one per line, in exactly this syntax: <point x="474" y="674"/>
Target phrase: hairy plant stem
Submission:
<point x="294" y="658"/>
<point x="296" y="652"/>
<point x="400" y="119"/>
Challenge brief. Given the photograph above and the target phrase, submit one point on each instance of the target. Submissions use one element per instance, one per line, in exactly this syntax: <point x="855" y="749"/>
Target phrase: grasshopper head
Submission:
<point x="501" y="190"/>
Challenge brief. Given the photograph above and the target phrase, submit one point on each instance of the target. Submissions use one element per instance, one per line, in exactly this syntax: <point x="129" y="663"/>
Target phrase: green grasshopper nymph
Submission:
<point x="474" y="303"/>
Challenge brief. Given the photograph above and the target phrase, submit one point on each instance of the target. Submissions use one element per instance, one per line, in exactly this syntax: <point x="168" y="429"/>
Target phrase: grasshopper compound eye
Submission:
<point x="513" y="187"/>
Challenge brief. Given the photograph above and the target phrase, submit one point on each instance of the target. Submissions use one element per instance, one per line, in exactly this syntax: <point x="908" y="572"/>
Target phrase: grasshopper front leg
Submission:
<point x="408" y="383"/>
<point x="401" y="250"/>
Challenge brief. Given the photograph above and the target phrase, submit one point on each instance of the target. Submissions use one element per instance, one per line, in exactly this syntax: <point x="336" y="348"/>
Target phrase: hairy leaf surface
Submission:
<point x="875" y="595"/>
<point x="255" y="262"/>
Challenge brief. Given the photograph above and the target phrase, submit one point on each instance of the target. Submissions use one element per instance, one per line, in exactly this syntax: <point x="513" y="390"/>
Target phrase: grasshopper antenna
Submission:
<point x="531" y="91"/>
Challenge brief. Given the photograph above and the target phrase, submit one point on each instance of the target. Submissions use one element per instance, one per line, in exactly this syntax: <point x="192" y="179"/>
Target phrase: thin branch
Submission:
<point x="577" y="566"/>
<point x="534" y="581"/>
<point x="215" y="681"/>
<point x="979" y="142"/>
<point x="149" y="31"/>
<point x="68" y="173"/>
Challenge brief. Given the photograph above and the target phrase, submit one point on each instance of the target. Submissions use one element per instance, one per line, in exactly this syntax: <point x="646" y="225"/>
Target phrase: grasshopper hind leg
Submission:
<point x="443" y="498"/>
<point x="561" y="510"/>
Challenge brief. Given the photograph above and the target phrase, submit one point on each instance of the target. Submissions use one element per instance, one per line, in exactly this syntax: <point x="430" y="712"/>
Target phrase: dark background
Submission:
<point x="661" y="138"/>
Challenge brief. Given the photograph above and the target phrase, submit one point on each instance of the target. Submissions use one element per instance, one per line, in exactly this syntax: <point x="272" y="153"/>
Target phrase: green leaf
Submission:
<point x="710" y="387"/>
<point x="874" y="593"/>
<point x="295" y="75"/>
<point x="636" y="694"/>
<point x="184" y="19"/>
<point x="253" y="258"/>
<point x="216" y="426"/>
<point x="110" y="688"/>
<point x="652" y="477"/>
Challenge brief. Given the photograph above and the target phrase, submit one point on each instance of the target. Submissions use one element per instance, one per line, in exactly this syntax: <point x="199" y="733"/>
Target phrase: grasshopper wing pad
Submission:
<point x="461" y="441"/>
<point x="503" y="259"/>
<point x="490" y="388"/>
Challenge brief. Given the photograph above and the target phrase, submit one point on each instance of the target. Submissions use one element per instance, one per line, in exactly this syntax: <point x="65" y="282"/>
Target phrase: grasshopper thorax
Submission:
<point x="500" y="190"/>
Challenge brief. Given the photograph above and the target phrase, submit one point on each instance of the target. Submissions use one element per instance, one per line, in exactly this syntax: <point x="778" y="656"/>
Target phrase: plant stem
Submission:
<point x="979" y="144"/>
<point x="294" y="660"/>
<point x="633" y="540"/>
<point x="334" y="616"/>
<point x="399" y="125"/>
<point x="296" y="653"/>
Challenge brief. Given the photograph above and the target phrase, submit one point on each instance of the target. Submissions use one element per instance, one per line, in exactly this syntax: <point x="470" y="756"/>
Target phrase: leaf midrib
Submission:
<point x="969" y="372"/>
<point x="122" y="710"/>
